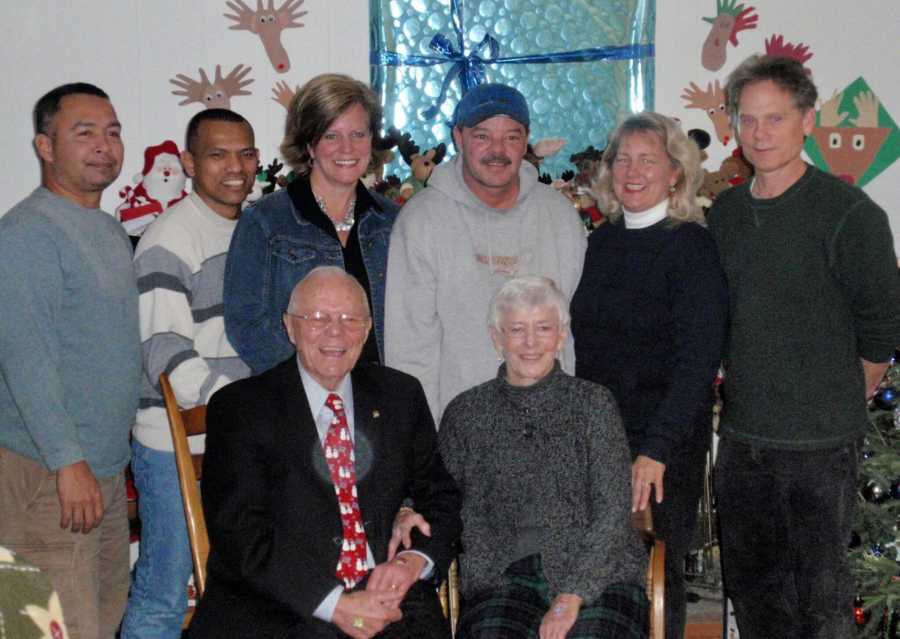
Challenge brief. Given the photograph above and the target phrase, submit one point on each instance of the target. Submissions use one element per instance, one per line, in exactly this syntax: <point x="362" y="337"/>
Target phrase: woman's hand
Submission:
<point x="405" y="520"/>
<point x="561" y="617"/>
<point x="646" y="473"/>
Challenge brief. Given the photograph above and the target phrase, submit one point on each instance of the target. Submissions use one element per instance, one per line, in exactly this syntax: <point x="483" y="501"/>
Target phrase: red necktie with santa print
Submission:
<point x="352" y="565"/>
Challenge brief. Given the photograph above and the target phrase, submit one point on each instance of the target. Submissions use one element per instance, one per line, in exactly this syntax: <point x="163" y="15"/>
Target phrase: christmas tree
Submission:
<point x="874" y="552"/>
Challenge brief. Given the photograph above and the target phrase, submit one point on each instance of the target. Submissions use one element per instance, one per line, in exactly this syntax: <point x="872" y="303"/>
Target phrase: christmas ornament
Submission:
<point x="886" y="399"/>
<point x="874" y="492"/>
<point x="860" y="616"/>
<point x="867" y="452"/>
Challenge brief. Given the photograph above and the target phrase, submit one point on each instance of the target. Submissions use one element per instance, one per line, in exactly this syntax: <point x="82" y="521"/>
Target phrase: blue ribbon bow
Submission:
<point x="470" y="69"/>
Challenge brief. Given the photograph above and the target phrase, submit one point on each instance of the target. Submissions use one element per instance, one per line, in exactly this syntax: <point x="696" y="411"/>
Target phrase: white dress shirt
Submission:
<point x="317" y="395"/>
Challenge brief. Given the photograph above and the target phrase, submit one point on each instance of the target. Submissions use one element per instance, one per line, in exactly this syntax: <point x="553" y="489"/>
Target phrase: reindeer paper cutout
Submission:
<point x="713" y="102"/>
<point x="216" y="94"/>
<point x="268" y="24"/>
<point x="731" y="18"/>
<point x="855" y="137"/>
<point x="849" y="151"/>
<point x="776" y="47"/>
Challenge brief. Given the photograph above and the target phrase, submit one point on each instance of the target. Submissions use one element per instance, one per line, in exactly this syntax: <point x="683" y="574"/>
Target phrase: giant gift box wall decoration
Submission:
<point x="581" y="65"/>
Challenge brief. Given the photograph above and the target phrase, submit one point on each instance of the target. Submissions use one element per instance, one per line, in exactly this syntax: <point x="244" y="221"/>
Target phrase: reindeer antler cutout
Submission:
<point x="268" y="23"/>
<point x="712" y="100"/>
<point x="829" y="115"/>
<point x="282" y="93"/>
<point x="215" y="94"/>
<point x="866" y="104"/>
<point x="776" y="47"/>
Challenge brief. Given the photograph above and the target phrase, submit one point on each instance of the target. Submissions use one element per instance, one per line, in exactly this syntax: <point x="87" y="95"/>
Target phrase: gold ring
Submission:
<point x="357" y="622"/>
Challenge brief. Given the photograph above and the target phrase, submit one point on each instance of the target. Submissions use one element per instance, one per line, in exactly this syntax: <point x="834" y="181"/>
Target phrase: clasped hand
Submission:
<point x="365" y="613"/>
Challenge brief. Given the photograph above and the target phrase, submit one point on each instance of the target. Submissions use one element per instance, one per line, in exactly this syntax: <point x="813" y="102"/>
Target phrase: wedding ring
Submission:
<point x="357" y="622"/>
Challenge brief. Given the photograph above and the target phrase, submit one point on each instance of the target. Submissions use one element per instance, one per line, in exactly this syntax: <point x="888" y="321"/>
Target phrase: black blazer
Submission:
<point x="270" y="506"/>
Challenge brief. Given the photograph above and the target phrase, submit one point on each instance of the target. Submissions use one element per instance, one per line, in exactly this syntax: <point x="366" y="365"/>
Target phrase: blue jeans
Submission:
<point x="158" y="600"/>
<point x="786" y="518"/>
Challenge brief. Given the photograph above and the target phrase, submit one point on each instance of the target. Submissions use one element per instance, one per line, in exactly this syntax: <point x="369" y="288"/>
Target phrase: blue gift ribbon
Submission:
<point x="470" y="69"/>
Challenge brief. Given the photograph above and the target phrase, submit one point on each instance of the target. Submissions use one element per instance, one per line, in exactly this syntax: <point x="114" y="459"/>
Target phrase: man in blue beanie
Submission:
<point x="483" y="219"/>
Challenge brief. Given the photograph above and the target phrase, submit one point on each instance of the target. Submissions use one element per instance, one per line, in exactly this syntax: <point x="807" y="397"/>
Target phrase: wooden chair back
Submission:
<point x="449" y="595"/>
<point x="642" y="521"/>
<point x="183" y="423"/>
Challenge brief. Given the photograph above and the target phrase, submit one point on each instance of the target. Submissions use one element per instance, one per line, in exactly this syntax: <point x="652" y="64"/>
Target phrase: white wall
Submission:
<point x="847" y="40"/>
<point x="132" y="48"/>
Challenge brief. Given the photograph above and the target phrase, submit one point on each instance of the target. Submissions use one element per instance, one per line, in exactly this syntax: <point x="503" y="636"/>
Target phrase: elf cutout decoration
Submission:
<point x="159" y="185"/>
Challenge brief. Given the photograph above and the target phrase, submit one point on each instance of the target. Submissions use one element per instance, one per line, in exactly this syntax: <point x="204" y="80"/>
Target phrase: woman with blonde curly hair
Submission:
<point x="648" y="319"/>
<point x="326" y="216"/>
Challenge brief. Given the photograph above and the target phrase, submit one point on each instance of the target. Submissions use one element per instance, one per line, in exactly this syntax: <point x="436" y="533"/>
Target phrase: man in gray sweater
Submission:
<point x="69" y="364"/>
<point x="814" y="298"/>
<point x="483" y="219"/>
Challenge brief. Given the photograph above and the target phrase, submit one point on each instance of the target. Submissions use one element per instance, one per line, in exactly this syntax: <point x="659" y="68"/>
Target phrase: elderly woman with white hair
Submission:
<point x="649" y="318"/>
<point x="542" y="461"/>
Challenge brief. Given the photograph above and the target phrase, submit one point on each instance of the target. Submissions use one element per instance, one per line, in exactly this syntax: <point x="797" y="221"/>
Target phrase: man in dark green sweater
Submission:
<point x="814" y="298"/>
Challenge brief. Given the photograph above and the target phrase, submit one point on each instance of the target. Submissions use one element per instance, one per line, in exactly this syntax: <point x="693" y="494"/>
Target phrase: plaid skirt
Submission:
<point x="516" y="609"/>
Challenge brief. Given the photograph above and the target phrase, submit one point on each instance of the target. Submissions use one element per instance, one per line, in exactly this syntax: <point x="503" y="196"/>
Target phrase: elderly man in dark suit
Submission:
<point x="305" y="468"/>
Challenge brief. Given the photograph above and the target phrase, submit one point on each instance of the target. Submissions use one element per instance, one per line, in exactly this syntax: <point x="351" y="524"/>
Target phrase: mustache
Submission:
<point x="496" y="158"/>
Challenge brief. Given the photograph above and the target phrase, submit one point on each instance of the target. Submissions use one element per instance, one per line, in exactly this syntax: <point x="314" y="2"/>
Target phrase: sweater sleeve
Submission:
<point x="168" y="329"/>
<point x="257" y="335"/>
<point x="699" y="306"/>
<point x="573" y="240"/>
<point x="480" y="546"/>
<point x="32" y="286"/>
<point x="413" y="329"/>
<point x="606" y="554"/>
<point x="863" y="260"/>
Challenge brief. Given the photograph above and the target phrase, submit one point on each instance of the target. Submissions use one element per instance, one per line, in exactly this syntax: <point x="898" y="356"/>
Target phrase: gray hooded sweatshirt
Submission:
<point x="449" y="254"/>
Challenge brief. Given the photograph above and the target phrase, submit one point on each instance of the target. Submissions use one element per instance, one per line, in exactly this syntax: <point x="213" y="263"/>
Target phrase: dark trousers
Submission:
<point x="786" y="519"/>
<point x="675" y="520"/>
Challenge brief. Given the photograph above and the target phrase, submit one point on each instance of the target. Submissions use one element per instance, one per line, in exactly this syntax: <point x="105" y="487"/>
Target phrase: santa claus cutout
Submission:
<point x="159" y="185"/>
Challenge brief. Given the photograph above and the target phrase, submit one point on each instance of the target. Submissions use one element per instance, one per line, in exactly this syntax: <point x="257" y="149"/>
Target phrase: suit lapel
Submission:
<point x="369" y="432"/>
<point x="300" y="435"/>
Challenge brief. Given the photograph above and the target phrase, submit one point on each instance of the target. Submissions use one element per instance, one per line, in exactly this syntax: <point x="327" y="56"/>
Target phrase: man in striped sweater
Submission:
<point x="180" y="265"/>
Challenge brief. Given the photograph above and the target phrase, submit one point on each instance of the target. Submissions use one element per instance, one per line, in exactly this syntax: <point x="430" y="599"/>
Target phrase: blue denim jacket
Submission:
<point x="272" y="249"/>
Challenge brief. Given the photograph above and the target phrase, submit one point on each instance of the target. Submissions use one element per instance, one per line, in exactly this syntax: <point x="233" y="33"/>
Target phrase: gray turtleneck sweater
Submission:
<point x="550" y="462"/>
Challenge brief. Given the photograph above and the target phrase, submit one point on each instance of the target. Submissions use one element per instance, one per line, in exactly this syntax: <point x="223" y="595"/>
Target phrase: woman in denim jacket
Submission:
<point x="324" y="217"/>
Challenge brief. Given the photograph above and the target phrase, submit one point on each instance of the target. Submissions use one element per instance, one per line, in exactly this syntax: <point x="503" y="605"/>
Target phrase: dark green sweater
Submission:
<point x="813" y="287"/>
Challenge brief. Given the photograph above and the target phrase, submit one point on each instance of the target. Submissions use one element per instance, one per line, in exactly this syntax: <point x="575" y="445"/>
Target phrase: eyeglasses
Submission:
<point x="543" y="332"/>
<point x="319" y="321"/>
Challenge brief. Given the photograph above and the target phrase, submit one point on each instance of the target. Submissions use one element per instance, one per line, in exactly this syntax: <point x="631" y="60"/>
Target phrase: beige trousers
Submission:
<point x="90" y="572"/>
